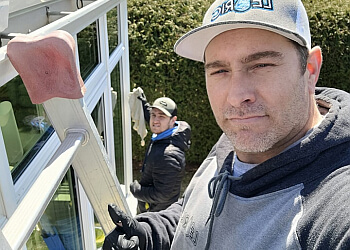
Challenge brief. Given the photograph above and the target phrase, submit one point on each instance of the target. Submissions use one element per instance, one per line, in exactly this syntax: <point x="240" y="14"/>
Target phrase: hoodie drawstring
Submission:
<point x="218" y="188"/>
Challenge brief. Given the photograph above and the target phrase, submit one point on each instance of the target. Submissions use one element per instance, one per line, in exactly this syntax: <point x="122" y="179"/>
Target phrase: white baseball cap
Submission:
<point x="166" y="105"/>
<point x="285" y="17"/>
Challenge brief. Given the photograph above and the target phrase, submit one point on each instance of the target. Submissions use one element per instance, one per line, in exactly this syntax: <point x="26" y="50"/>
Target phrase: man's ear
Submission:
<point x="314" y="64"/>
<point x="173" y="120"/>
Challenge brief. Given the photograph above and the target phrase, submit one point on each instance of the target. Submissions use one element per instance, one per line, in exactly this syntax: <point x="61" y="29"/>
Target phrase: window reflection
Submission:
<point x="112" y="29"/>
<point x="99" y="234"/>
<point x="98" y="116"/>
<point x="59" y="227"/>
<point x="88" y="50"/>
<point x="117" y="123"/>
<point x="23" y="125"/>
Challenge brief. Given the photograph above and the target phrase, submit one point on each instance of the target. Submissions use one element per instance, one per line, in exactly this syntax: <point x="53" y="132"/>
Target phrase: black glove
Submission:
<point x="135" y="187"/>
<point x="142" y="97"/>
<point x="129" y="235"/>
<point x="117" y="240"/>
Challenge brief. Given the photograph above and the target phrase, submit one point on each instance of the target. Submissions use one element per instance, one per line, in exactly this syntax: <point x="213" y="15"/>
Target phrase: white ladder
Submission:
<point x="82" y="147"/>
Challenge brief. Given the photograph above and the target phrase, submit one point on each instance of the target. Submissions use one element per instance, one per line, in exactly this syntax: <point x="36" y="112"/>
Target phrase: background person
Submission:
<point x="164" y="165"/>
<point x="278" y="178"/>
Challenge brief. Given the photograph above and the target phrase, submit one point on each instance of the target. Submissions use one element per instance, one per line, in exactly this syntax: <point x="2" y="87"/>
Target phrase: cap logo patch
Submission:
<point x="163" y="103"/>
<point x="239" y="6"/>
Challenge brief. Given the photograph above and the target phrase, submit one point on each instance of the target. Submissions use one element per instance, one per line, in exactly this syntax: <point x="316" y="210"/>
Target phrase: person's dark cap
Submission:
<point x="166" y="105"/>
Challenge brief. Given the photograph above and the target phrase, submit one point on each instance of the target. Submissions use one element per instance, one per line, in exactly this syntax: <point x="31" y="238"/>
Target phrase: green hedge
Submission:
<point x="330" y="29"/>
<point x="155" y="26"/>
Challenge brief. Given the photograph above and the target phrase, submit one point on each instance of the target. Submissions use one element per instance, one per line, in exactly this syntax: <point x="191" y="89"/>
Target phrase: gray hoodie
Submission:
<point x="298" y="199"/>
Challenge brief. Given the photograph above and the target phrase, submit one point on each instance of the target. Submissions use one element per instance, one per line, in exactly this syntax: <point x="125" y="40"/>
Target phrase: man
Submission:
<point x="278" y="178"/>
<point x="164" y="163"/>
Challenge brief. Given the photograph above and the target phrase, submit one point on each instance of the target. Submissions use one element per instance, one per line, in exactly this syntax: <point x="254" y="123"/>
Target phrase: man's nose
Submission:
<point x="241" y="90"/>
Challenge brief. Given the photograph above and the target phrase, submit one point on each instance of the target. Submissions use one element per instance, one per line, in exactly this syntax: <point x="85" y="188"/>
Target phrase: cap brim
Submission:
<point x="192" y="45"/>
<point x="166" y="112"/>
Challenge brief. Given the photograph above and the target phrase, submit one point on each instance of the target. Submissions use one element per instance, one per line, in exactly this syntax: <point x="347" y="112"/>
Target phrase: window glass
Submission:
<point x="112" y="29"/>
<point x="88" y="50"/>
<point x="59" y="227"/>
<point x="98" y="116"/>
<point x="25" y="126"/>
<point x="99" y="234"/>
<point x="117" y="123"/>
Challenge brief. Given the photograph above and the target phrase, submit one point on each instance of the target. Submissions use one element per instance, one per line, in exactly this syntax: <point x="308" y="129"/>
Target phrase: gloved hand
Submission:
<point x="135" y="187"/>
<point x="142" y="97"/>
<point x="129" y="234"/>
<point x="117" y="240"/>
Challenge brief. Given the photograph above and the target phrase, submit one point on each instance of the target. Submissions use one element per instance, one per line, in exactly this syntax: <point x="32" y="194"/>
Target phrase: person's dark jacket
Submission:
<point x="163" y="168"/>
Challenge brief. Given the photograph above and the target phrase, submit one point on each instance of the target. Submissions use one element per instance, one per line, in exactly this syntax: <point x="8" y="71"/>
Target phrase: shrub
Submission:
<point x="330" y="29"/>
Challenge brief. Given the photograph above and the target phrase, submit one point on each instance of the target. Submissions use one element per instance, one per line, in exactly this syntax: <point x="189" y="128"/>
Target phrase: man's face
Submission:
<point x="159" y="122"/>
<point x="256" y="91"/>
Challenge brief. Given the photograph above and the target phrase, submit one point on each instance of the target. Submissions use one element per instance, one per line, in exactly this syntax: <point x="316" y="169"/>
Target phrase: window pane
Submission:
<point x="60" y="225"/>
<point x="88" y="50"/>
<point x="98" y="116"/>
<point x="99" y="234"/>
<point x="117" y="123"/>
<point x="25" y="126"/>
<point x="112" y="29"/>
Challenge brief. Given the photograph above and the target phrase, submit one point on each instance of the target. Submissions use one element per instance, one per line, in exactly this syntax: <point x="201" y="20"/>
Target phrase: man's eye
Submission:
<point x="262" y="65"/>
<point x="219" y="71"/>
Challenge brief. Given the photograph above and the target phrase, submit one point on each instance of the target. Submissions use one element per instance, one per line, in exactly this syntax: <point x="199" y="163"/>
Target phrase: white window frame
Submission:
<point x="97" y="84"/>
